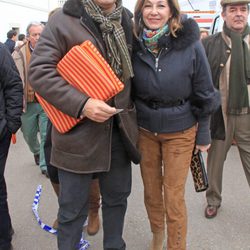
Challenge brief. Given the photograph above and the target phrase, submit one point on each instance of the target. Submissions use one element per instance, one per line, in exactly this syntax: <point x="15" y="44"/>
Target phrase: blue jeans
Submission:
<point x="5" y="221"/>
<point x="34" y="121"/>
<point x="115" y="187"/>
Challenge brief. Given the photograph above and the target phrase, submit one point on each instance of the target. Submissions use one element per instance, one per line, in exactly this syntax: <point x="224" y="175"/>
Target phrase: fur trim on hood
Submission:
<point x="189" y="34"/>
<point x="73" y="8"/>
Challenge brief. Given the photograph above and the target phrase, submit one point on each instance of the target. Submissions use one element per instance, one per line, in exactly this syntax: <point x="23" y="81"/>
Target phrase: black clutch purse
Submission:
<point x="199" y="172"/>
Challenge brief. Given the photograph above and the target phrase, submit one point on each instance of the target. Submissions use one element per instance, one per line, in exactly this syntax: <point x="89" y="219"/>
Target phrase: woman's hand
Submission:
<point x="202" y="148"/>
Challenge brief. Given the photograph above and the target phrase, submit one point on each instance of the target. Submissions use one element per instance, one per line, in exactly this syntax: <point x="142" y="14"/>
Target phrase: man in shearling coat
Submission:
<point x="105" y="142"/>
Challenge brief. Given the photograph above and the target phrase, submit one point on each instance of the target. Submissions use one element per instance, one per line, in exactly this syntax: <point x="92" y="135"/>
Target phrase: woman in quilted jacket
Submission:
<point x="174" y="97"/>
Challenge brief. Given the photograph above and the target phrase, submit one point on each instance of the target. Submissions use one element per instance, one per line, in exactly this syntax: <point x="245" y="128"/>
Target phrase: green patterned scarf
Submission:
<point x="151" y="37"/>
<point x="113" y="36"/>
<point x="239" y="71"/>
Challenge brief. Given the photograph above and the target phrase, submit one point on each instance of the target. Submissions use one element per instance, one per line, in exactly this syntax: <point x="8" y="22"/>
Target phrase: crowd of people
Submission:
<point x="183" y="93"/>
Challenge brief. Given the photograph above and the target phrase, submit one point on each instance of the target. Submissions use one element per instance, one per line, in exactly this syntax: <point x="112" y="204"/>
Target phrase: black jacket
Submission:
<point x="10" y="44"/>
<point x="180" y="72"/>
<point x="11" y="94"/>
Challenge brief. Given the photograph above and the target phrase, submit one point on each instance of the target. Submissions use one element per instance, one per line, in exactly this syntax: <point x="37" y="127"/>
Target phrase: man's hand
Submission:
<point x="97" y="110"/>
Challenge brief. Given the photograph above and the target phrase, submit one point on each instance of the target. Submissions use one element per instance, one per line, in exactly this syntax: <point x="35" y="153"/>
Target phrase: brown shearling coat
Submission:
<point x="87" y="147"/>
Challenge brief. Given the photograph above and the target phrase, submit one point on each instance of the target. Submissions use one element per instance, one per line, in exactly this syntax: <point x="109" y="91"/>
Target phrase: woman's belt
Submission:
<point x="156" y="104"/>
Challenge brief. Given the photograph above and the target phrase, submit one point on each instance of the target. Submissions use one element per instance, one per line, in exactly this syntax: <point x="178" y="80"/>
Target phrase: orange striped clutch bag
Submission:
<point x="84" y="68"/>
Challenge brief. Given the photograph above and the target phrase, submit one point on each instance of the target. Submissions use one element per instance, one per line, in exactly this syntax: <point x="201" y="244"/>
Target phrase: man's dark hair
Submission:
<point x="11" y="33"/>
<point x="21" y="37"/>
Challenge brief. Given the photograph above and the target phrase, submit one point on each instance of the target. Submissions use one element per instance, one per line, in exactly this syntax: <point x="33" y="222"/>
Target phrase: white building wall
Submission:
<point x="19" y="13"/>
<point x="61" y="2"/>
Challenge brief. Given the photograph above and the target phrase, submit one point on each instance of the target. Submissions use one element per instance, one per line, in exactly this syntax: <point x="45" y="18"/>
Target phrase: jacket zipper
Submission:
<point x="157" y="60"/>
<point x="156" y="63"/>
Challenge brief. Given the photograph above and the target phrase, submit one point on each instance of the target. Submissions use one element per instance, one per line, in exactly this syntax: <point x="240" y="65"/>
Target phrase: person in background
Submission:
<point x="22" y="37"/>
<point x="104" y="144"/>
<point x="174" y="97"/>
<point x="228" y="55"/>
<point x="203" y="33"/>
<point x="34" y="119"/>
<point x="11" y="40"/>
<point x="11" y="104"/>
<point x="21" y="40"/>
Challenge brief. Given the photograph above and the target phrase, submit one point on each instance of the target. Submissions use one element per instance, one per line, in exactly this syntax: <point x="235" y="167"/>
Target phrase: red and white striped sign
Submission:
<point x="203" y="18"/>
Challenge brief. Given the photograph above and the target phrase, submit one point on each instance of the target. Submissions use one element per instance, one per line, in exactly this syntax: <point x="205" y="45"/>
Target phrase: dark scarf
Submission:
<point x="113" y="36"/>
<point x="239" y="71"/>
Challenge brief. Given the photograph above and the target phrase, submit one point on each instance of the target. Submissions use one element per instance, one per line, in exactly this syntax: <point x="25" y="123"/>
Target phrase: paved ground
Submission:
<point x="230" y="230"/>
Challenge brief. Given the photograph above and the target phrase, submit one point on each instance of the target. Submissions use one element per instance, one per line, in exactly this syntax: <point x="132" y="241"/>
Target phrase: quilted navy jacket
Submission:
<point x="179" y="72"/>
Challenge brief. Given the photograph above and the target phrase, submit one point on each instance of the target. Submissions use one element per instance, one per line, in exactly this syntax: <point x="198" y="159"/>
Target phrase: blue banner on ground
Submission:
<point x="83" y="244"/>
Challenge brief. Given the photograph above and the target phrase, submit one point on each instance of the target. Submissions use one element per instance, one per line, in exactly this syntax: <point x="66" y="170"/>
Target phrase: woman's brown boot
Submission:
<point x="157" y="241"/>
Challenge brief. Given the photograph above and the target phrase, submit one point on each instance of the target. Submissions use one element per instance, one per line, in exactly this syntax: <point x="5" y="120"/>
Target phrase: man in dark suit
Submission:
<point x="10" y="43"/>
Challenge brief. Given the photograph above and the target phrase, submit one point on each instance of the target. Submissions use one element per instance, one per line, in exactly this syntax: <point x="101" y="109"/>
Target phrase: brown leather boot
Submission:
<point x="157" y="241"/>
<point x="94" y="204"/>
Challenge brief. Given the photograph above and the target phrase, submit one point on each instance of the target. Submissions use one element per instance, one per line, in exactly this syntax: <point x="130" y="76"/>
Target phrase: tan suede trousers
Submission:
<point x="164" y="167"/>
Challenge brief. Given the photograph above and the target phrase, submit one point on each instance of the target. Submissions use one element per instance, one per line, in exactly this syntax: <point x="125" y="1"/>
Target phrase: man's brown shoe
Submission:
<point x="211" y="211"/>
<point x="93" y="223"/>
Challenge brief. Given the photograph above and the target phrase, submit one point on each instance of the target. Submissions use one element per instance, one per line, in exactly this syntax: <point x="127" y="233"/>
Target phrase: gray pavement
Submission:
<point x="230" y="230"/>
